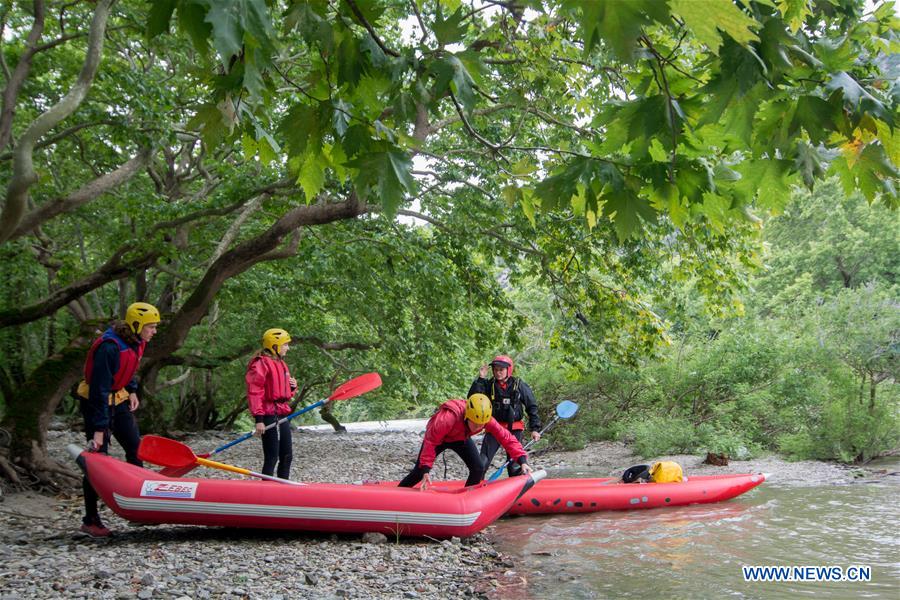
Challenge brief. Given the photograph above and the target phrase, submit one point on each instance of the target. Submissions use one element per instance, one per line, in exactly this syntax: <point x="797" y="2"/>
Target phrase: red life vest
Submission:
<point x="129" y="359"/>
<point x="268" y="383"/>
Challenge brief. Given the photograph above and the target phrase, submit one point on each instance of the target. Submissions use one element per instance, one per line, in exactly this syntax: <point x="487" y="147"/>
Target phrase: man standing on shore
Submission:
<point x="510" y="398"/>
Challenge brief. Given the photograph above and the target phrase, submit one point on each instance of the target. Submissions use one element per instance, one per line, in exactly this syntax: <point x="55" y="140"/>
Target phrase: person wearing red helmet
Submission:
<point x="511" y="399"/>
<point x="452" y="428"/>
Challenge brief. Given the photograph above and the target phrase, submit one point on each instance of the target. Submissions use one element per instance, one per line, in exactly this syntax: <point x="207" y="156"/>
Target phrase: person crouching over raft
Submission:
<point x="270" y="388"/>
<point x="452" y="428"/>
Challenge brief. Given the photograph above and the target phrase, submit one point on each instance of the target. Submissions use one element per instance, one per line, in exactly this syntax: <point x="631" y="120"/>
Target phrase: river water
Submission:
<point x="699" y="551"/>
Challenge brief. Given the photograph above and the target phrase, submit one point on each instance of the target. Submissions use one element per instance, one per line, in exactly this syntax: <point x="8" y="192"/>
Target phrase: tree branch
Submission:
<point x="362" y="21"/>
<point x="239" y="259"/>
<point x="17" y="79"/>
<point x="319" y="343"/>
<point x="112" y="270"/>
<point x="467" y="233"/>
<point x="206" y="362"/>
<point x="85" y="194"/>
<point x="62" y="135"/>
<point x="23" y="173"/>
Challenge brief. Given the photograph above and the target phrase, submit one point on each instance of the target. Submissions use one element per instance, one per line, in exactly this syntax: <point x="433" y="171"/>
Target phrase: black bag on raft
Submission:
<point x="636" y="474"/>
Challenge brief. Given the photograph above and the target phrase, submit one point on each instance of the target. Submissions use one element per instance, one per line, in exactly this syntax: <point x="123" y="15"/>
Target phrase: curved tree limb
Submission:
<point x="19" y="74"/>
<point x="23" y="173"/>
<point x="319" y="343"/>
<point x="85" y="194"/>
<point x="63" y="134"/>
<point x="264" y="246"/>
<point x="362" y="21"/>
<point x="113" y="269"/>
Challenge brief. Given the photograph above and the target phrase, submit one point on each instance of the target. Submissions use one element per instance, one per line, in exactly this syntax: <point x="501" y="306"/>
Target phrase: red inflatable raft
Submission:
<point x="553" y="496"/>
<point x="145" y="496"/>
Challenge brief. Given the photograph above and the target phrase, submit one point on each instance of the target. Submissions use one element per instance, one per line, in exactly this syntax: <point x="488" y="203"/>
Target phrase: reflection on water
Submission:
<point x="698" y="551"/>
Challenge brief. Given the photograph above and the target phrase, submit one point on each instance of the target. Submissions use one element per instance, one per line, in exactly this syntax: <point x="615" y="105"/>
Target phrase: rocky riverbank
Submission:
<point x="43" y="555"/>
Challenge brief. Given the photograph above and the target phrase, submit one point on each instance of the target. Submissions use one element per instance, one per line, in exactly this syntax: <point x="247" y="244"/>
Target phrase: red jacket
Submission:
<point x="448" y="424"/>
<point x="268" y="386"/>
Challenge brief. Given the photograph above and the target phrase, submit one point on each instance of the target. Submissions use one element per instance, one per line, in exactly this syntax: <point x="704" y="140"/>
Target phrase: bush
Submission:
<point x="657" y="435"/>
<point x="846" y="431"/>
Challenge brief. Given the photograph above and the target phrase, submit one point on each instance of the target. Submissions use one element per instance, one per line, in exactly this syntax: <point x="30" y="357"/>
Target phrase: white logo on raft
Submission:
<point x="169" y="489"/>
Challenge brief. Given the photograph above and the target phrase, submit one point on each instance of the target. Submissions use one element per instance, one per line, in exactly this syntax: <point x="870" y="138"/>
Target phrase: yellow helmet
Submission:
<point x="478" y="409"/>
<point x="140" y="314"/>
<point x="274" y="338"/>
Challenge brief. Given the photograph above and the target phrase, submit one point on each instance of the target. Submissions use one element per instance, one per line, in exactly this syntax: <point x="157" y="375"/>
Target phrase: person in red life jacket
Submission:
<point x="109" y="398"/>
<point x="452" y="428"/>
<point x="510" y="398"/>
<point x="270" y="388"/>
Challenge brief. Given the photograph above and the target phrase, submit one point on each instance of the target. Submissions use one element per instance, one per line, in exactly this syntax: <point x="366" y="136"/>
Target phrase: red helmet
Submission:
<point x="501" y="360"/>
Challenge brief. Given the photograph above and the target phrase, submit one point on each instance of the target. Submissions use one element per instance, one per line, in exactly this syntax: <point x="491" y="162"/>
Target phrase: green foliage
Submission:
<point x="694" y="87"/>
<point x="846" y="431"/>
<point x="810" y="370"/>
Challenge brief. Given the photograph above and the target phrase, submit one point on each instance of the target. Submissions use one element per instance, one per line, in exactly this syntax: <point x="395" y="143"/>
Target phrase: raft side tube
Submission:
<point x="532" y="479"/>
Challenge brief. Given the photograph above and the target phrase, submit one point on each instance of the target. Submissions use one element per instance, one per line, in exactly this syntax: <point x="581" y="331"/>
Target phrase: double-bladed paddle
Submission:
<point x="349" y="389"/>
<point x="564" y="410"/>
<point x="173" y="454"/>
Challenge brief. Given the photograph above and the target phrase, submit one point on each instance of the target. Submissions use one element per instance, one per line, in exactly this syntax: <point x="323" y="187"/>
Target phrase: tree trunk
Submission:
<point x="872" y="386"/>
<point x="30" y="408"/>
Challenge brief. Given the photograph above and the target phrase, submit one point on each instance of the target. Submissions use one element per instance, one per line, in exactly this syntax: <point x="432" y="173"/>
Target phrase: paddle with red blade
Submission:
<point x="173" y="454"/>
<point x="349" y="389"/>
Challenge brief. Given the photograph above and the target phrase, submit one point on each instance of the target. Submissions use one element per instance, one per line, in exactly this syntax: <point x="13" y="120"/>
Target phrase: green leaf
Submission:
<point x="526" y="198"/>
<point x="255" y="22"/>
<point x="715" y="208"/>
<point x="449" y="30"/>
<point x="384" y="175"/>
<point x="253" y="77"/>
<point x="312" y="175"/>
<point x="795" y="12"/>
<point x="626" y="210"/>
<point x="310" y="19"/>
<point x="227" y="32"/>
<point x="453" y="72"/>
<point x="510" y="195"/>
<point x="738" y="74"/>
<point x="192" y="20"/>
<point x="351" y="65"/>
<point x="618" y="23"/>
<point x="267" y="153"/>
<point x="870" y="171"/>
<point x="657" y="152"/>
<point x="890" y="139"/>
<point x="809" y="163"/>
<point x="704" y="17"/>
<point x="300" y="127"/>
<point x="558" y="189"/>
<point x="858" y="98"/>
<point x="159" y="17"/>
<point x="765" y="179"/>
<point x="341" y="119"/>
<point x="774" y="123"/>
<point x="667" y="199"/>
<point x="249" y="146"/>
<point x="209" y="122"/>
<point x="817" y="116"/>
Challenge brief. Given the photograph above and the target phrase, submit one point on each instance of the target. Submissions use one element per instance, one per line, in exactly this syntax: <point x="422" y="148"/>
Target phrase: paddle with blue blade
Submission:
<point x="564" y="410"/>
<point x="173" y="454"/>
<point x="349" y="389"/>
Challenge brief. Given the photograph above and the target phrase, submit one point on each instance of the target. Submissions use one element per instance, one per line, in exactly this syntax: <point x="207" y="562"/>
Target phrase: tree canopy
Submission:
<point x="358" y="171"/>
